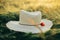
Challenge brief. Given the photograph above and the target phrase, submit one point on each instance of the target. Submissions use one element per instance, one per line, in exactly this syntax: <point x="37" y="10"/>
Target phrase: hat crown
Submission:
<point x="30" y="18"/>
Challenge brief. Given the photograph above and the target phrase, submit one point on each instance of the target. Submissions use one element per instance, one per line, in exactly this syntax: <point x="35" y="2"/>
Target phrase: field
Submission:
<point x="10" y="9"/>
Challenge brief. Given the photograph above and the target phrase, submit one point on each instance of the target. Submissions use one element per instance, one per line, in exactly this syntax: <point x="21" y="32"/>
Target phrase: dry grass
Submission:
<point x="49" y="8"/>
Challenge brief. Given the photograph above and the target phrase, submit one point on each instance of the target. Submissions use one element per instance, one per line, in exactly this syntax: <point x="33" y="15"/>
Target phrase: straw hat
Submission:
<point x="44" y="26"/>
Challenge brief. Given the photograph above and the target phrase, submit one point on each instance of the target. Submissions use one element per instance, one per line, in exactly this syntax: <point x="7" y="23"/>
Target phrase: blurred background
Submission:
<point x="50" y="8"/>
<point x="10" y="10"/>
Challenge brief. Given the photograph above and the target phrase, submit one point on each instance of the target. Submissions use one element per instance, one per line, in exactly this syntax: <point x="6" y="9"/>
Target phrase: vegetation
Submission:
<point x="9" y="10"/>
<point x="7" y="34"/>
<point x="49" y="8"/>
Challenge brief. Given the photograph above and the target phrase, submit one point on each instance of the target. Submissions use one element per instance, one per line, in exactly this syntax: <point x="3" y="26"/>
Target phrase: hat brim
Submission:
<point x="14" y="25"/>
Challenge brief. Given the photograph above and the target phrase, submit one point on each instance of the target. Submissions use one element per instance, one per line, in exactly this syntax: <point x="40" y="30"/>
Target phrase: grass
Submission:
<point x="7" y="34"/>
<point x="51" y="12"/>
